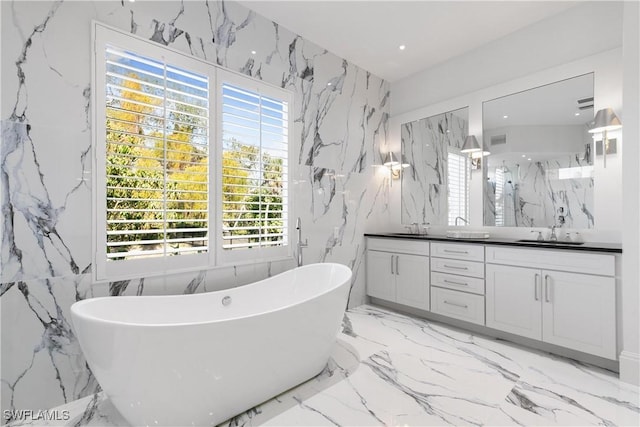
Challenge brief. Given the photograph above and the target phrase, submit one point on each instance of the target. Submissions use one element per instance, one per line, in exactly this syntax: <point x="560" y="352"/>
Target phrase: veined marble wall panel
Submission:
<point x="534" y="194"/>
<point x="341" y="122"/>
<point x="425" y="146"/>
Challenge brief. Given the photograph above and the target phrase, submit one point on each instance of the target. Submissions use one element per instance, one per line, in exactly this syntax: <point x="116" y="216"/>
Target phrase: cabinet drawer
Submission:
<point x="553" y="260"/>
<point x="454" y="266"/>
<point x="458" y="251"/>
<point x="404" y="246"/>
<point x="461" y="283"/>
<point x="459" y="305"/>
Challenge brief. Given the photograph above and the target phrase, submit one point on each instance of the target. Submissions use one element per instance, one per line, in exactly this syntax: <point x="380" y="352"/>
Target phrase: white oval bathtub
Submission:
<point x="191" y="360"/>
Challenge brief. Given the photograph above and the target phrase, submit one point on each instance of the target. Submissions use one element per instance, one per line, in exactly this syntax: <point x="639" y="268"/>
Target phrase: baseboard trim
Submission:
<point x="630" y="367"/>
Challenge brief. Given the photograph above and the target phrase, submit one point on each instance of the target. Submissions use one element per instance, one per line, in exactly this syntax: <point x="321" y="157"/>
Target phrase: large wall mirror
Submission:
<point x="540" y="171"/>
<point x="435" y="186"/>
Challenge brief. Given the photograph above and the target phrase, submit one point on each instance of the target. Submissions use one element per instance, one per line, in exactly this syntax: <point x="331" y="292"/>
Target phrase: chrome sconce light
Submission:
<point x="605" y="121"/>
<point x="395" y="166"/>
<point x="476" y="153"/>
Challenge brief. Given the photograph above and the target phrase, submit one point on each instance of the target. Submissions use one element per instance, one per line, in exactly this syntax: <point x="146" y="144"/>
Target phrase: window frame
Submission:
<point x="104" y="271"/>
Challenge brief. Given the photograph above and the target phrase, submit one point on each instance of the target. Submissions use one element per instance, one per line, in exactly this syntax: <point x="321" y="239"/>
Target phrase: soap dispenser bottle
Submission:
<point x="539" y="238"/>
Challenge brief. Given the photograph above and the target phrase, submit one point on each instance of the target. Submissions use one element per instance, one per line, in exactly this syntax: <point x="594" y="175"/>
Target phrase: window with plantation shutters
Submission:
<point x="458" y="186"/>
<point x="499" y="202"/>
<point x="255" y="134"/>
<point x="153" y="149"/>
<point x="191" y="163"/>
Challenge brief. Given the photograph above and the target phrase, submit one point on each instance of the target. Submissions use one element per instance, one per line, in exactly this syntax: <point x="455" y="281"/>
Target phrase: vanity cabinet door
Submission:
<point x="513" y="300"/>
<point x="381" y="282"/>
<point x="412" y="281"/>
<point x="579" y="312"/>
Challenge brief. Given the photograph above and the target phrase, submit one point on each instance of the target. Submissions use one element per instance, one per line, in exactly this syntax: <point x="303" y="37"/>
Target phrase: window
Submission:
<point x="153" y="157"/>
<point x="255" y="169"/>
<point x="500" y="202"/>
<point x="458" y="188"/>
<point x="171" y="193"/>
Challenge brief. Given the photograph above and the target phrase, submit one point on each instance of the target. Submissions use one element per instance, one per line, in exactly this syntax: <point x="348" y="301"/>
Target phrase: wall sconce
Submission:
<point x="391" y="161"/>
<point x="476" y="153"/>
<point x="605" y="121"/>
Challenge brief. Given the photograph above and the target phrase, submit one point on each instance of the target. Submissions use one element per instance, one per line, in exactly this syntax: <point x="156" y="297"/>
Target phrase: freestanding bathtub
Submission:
<point x="200" y="359"/>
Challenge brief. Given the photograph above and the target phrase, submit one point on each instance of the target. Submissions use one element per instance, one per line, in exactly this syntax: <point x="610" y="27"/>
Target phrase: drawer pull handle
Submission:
<point x="455" y="252"/>
<point x="455" y="283"/>
<point x="456" y="267"/>
<point x="397" y="268"/>
<point x="392" y="264"/>
<point x="536" y="289"/>
<point x="456" y="304"/>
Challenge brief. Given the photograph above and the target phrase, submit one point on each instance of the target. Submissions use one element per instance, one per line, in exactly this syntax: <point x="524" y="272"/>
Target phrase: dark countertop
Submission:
<point x="587" y="246"/>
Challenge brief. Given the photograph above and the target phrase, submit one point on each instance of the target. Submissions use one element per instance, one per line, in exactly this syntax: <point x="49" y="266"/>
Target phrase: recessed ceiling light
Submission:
<point x="253" y="52"/>
<point x="524" y="155"/>
<point x="529" y="159"/>
<point x="402" y="47"/>
<point x="577" y="114"/>
<point x="329" y="84"/>
<point x="505" y="117"/>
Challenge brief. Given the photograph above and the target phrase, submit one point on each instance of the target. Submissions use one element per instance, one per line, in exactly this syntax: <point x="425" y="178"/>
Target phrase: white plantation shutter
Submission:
<point x="499" y="202"/>
<point x="157" y="158"/>
<point x="458" y="186"/>
<point x="152" y="153"/>
<point x="255" y="168"/>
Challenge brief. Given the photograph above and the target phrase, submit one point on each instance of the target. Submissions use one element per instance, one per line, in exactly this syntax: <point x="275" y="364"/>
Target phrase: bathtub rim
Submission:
<point x="78" y="310"/>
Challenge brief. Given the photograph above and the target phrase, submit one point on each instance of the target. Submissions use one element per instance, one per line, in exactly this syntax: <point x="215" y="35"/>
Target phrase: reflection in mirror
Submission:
<point x="435" y="187"/>
<point x="540" y="171"/>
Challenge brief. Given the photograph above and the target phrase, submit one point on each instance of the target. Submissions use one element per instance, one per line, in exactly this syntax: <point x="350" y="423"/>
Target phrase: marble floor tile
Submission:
<point x="390" y="369"/>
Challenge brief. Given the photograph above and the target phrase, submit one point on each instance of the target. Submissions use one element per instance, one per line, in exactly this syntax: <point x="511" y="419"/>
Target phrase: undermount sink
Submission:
<point x="462" y="234"/>
<point x="550" y="242"/>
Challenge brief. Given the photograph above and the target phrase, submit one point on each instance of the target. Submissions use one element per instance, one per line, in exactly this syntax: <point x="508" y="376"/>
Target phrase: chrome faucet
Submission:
<point x="300" y="245"/>
<point x="463" y="220"/>
<point x="553" y="237"/>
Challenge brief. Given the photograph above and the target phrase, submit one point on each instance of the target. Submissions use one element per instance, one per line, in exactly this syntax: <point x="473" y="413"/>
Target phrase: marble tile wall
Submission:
<point x="535" y="195"/>
<point x="46" y="160"/>
<point x="425" y="146"/>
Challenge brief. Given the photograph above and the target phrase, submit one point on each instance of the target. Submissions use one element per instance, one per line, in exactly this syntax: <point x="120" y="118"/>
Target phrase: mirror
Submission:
<point x="435" y="186"/>
<point x="540" y="171"/>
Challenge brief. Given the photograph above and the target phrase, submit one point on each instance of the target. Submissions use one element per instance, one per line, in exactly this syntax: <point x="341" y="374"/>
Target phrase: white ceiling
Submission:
<point x="368" y="33"/>
<point x="554" y="104"/>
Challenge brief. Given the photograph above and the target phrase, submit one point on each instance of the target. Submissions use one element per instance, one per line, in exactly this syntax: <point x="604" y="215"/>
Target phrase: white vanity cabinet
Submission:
<point x="557" y="296"/>
<point x="513" y="300"/>
<point x="398" y="271"/>
<point x="457" y="281"/>
<point x="527" y="295"/>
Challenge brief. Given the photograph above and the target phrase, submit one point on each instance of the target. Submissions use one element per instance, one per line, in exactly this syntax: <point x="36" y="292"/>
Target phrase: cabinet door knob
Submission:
<point x="547" y="294"/>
